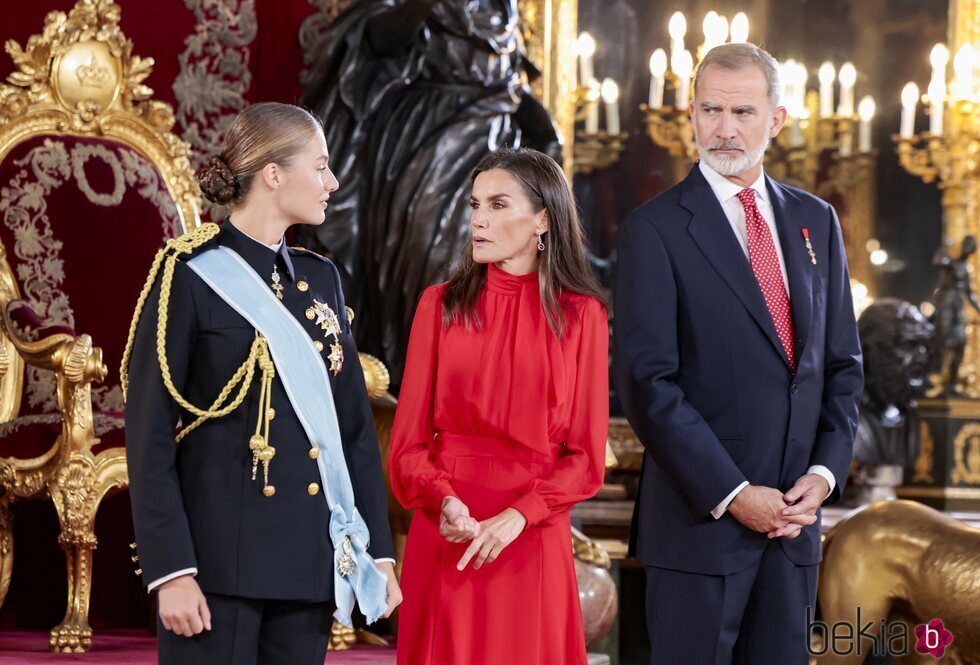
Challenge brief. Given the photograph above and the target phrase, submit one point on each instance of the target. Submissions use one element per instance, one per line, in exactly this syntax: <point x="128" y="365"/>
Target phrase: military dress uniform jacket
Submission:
<point x="195" y="504"/>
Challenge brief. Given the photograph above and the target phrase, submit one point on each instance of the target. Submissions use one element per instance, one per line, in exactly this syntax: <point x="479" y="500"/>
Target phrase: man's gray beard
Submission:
<point x="732" y="166"/>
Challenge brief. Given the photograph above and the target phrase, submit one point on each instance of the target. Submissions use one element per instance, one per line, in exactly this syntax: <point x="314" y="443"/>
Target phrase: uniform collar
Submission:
<point x="257" y="254"/>
<point x="725" y="189"/>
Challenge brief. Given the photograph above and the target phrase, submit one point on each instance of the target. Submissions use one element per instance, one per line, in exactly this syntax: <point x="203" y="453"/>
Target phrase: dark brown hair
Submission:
<point x="562" y="266"/>
<point x="265" y="133"/>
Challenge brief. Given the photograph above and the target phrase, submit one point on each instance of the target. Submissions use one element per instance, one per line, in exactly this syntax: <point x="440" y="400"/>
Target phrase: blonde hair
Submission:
<point x="264" y="133"/>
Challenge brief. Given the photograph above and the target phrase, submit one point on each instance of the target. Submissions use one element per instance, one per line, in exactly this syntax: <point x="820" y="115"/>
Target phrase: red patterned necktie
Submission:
<point x="765" y="265"/>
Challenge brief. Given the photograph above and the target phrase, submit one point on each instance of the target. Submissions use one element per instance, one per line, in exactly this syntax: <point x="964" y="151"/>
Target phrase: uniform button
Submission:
<point x="314" y="453"/>
<point x="318" y="344"/>
<point x="313" y="489"/>
<point x="302" y="286"/>
<point x="310" y="314"/>
<point x="270" y="413"/>
<point x="794" y="388"/>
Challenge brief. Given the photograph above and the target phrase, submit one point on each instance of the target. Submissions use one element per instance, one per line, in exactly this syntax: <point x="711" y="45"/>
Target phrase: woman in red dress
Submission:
<point x="501" y="428"/>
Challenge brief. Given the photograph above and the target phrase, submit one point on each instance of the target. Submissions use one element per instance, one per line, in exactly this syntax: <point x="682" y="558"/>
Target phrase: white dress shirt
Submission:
<point x="193" y="571"/>
<point x="727" y="192"/>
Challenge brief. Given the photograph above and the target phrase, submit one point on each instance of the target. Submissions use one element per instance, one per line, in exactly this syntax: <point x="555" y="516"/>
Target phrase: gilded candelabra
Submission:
<point x="595" y="149"/>
<point x="948" y="153"/>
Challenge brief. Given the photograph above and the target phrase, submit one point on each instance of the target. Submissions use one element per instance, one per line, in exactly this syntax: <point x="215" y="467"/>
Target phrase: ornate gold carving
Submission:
<point x="6" y="541"/>
<point x="341" y="637"/>
<point x="923" y="469"/>
<point x="589" y="551"/>
<point x="625" y="445"/>
<point x="79" y="77"/>
<point x="598" y="151"/>
<point x="966" y="453"/>
<point x="46" y="95"/>
<point x="376" y="376"/>
<point x="550" y="28"/>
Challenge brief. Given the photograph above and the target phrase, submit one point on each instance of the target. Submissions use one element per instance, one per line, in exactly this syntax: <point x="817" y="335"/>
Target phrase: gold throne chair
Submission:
<point x="92" y="182"/>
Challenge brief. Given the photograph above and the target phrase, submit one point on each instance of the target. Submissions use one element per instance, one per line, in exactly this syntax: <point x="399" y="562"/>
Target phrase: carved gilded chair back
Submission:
<point x="86" y="156"/>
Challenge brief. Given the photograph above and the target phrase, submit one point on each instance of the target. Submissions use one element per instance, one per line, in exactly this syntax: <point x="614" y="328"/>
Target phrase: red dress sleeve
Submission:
<point x="580" y="469"/>
<point x="415" y="479"/>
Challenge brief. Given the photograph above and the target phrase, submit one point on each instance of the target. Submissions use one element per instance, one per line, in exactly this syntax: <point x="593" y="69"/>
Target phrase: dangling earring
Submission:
<point x="540" y="243"/>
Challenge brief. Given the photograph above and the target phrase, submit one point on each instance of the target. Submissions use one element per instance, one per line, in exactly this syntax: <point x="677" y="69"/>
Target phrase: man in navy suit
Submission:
<point x="739" y="369"/>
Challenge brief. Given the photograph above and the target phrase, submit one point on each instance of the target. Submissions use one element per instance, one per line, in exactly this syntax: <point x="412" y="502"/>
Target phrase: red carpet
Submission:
<point x="138" y="648"/>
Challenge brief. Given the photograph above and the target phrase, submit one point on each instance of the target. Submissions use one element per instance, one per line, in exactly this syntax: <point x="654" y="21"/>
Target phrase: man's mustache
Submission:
<point x="726" y="145"/>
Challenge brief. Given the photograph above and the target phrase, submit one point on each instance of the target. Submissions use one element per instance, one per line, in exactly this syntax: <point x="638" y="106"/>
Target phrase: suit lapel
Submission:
<point x="713" y="234"/>
<point x="799" y="269"/>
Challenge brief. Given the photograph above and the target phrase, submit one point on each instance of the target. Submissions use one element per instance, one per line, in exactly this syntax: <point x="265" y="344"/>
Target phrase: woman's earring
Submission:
<point x="540" y="243"/>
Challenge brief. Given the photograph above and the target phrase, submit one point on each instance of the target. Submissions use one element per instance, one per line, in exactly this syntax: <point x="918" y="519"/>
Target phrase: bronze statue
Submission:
<point x="902" y="561"/>
<point x="895" y="339"/>
<point x="949" y="317"/>
<point x="413" y="94"/>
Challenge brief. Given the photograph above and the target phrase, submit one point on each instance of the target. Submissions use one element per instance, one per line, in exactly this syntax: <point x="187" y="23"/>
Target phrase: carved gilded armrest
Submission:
<point x="4" y="360"/>
<point x="75" y="361"/>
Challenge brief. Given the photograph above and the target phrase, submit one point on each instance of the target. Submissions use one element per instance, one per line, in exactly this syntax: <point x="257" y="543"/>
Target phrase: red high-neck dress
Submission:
<point x="504" y="416"/>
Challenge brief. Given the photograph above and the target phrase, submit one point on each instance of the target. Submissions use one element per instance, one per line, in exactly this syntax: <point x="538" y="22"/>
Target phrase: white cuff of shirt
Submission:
<point x="180" y="573"/>
<point x="385" y="560"/>
<point x="824" y="473"/>
<point x="723" y="506"/>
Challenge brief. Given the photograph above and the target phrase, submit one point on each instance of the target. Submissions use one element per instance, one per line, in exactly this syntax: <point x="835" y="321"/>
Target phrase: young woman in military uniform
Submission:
<point x="255" y="478"/>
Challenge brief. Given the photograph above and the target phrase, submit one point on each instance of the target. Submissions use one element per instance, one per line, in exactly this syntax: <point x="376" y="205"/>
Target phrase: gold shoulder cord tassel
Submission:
<point x="258" y="355"/>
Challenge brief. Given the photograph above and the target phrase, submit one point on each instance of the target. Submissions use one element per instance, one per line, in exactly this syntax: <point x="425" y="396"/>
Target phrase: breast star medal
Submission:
<point x="326" y="318"/>
<point x="276" y="282"/>
<point x="809" y="247"/>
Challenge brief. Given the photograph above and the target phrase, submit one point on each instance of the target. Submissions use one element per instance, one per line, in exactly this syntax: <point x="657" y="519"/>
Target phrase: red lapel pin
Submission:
<point x="809" y="247"/>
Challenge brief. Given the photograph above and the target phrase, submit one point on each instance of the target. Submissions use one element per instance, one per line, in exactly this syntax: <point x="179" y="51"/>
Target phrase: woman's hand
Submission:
<point x="183" y="608"/>
<point x="394" y="591"/>
<point x="455" y="523"/>
<point x="496" y="533"/>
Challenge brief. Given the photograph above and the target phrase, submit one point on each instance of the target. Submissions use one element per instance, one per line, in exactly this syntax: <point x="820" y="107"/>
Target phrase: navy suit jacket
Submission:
<point x="706" y="384"/>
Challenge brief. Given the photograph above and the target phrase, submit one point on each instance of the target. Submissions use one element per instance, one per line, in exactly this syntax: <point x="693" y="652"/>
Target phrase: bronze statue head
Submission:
<point x="968" y="247"/>
<point x="895" y="338"/>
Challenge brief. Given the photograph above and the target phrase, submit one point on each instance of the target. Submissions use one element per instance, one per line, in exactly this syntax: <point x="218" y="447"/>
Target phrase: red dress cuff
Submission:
<point x="436" y="491"/>
<point x="532" y="507"/>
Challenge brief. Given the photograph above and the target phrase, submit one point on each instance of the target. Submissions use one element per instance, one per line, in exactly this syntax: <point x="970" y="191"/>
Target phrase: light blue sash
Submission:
<point x="304" y="377"/>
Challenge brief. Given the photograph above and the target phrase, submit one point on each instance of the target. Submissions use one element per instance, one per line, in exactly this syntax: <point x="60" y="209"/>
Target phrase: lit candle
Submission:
<point x="826" y="76"/>
<point x="592" y="108"/>
<point x="939" y="58"/>
<point x="866" y="110"/>
<point x="787" y="76"/>
<point x="910" y="97"/>
<point x="740" y="28"/>
<point x="708" y="28"/>
<point x="937" y="93"/>
<point x="677" y="27"/>
<point x="963" y="65"/>
<point x="610" y="95"/>
<point x="683" y="67"/>
<point x="847" y="78"/>
<point x="585" y="47"/>
<point x="658" y="68"/>
<point x="722" y="27"/>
